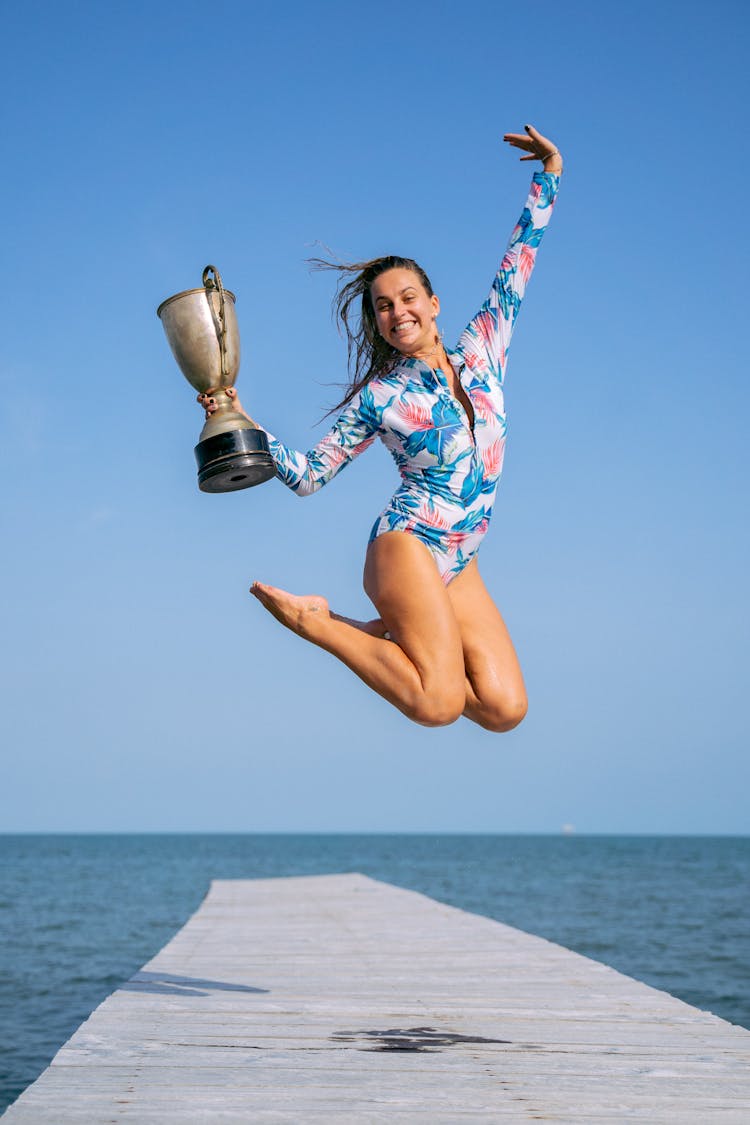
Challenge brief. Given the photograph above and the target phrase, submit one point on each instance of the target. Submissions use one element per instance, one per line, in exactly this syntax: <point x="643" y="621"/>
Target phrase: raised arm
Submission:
<point x="485" y="340"/>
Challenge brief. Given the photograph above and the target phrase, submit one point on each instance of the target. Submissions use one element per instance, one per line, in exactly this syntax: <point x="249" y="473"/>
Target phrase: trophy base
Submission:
<point x="233" y="460"/>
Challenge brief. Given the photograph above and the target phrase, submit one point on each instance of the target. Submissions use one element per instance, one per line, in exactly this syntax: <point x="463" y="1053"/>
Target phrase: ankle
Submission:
<point x="314" y="622"/>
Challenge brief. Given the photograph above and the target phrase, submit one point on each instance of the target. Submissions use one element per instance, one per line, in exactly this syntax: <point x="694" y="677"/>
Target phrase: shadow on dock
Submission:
<point x="169" y="984"/>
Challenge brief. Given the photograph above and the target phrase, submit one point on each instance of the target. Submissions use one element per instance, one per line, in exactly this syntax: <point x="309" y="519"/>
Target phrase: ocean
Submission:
<point x="80" y="914"/>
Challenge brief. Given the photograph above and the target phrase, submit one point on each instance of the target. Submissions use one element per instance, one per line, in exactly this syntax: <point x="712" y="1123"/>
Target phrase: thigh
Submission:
<point x="491" y="663"/>
<point x="403" y="582"/>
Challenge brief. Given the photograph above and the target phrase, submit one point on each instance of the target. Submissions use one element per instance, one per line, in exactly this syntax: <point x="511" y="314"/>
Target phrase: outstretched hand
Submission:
<point x="536" y="147"/>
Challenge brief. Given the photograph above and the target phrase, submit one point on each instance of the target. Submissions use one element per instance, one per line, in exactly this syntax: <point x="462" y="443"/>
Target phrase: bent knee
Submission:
<point x="438" y="709"/>
<point x="503" y="715"/>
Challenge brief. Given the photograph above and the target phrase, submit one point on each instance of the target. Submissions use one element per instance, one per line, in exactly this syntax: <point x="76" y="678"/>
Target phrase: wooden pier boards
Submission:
<point x="337" y="998"/>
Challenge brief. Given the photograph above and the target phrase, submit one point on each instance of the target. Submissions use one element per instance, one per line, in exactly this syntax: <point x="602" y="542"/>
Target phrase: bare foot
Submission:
<point x="299" y="612"/>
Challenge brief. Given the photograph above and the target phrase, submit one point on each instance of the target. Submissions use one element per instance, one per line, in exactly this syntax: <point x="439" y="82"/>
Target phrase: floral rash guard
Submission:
<point x="449" y="470"/>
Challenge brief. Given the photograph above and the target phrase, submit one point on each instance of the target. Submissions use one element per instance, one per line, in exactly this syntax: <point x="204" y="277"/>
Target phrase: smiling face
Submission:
<point x="404" y="311"/>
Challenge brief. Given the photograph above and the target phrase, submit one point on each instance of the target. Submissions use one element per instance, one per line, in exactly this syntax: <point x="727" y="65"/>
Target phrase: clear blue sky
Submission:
<point x="143" y="689"/>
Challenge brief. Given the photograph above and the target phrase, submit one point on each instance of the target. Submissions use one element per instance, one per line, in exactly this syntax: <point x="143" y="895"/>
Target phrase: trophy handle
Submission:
<point x="214" y="282"/>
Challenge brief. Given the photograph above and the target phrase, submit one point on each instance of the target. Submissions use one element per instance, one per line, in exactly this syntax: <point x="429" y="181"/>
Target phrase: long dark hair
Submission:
<point x="369" y="355"/>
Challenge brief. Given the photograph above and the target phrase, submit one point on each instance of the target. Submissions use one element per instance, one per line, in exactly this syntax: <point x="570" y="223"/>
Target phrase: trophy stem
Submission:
<point x="225" y="417"/>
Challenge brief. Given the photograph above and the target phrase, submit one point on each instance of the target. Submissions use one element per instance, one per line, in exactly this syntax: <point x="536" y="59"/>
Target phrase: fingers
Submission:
<point x="518" y="140"/>
<point x="522" y="143"/>
<point x="543" y="145"/>
<point x="208" y="403"/>
<point x="532" y="142"/>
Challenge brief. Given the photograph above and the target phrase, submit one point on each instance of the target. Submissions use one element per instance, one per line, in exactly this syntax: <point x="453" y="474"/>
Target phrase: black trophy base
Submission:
<point x="233" y="460"/>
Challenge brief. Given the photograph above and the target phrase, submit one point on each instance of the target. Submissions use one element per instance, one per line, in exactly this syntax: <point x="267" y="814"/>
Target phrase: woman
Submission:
<point x="439" y="648"/>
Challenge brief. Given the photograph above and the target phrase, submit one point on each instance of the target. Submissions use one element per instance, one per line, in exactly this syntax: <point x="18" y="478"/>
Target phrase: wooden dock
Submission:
<point x="341" y="999"/>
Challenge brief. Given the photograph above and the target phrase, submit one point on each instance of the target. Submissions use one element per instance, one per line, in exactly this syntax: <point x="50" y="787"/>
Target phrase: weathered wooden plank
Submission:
<point x="339" y="998"/>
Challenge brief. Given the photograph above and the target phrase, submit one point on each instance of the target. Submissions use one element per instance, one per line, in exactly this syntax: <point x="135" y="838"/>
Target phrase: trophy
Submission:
<point x="201" y="327"/>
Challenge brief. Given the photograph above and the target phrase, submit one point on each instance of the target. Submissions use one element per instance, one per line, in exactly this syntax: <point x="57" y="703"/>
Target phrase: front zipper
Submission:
<point x="438" y="371"/>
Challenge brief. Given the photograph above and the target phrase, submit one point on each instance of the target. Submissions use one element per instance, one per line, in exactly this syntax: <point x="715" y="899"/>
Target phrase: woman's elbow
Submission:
<point x="307" y="487"/>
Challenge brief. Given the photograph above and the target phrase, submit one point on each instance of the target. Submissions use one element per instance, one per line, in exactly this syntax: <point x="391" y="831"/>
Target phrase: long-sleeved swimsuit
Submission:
<point x="449" y="469"/>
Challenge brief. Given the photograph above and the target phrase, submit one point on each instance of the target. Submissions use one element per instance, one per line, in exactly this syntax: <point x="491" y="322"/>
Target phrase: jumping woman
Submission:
<point x="439" y="647"/>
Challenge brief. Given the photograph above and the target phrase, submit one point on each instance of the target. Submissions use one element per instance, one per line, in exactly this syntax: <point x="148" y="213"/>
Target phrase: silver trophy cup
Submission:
<point x="201" y="327"/>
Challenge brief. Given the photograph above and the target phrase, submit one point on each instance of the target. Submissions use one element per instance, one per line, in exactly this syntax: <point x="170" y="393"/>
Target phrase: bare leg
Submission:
<point x="418" y="673"/>
<point x="423" y="672"/>
<point x="375" y="628"/>
<point x="495" y="692"/>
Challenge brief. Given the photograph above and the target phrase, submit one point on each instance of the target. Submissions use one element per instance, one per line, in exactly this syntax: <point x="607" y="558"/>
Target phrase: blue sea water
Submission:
<point x="80" y="914"/>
